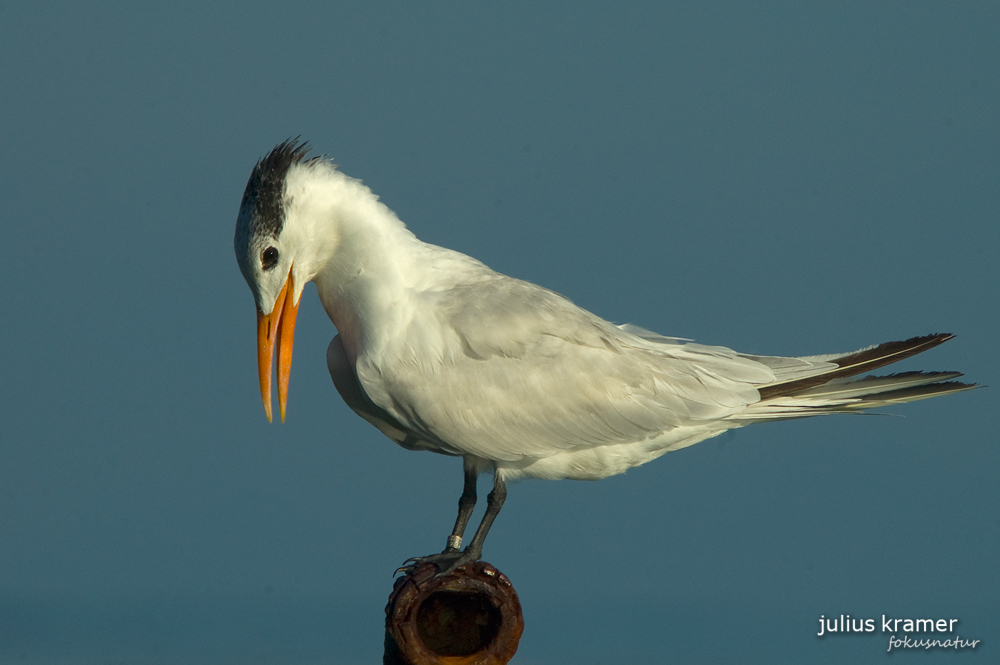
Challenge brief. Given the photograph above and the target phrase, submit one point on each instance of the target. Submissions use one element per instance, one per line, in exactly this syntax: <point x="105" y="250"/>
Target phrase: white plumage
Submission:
<point x="441" y="353"/>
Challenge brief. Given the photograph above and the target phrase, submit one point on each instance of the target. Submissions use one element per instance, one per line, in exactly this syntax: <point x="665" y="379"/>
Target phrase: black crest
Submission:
<point x="262" y="198"/>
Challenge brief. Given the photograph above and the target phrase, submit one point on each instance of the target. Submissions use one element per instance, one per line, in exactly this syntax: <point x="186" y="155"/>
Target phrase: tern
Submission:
<point x="441" y="353"/>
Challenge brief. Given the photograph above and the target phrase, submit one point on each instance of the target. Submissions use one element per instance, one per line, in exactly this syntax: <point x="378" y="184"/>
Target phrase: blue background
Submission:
<point x="786" y="178"/>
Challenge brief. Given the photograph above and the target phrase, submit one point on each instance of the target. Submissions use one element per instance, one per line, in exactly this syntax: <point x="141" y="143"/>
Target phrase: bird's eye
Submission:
<point x="269" y="258"/>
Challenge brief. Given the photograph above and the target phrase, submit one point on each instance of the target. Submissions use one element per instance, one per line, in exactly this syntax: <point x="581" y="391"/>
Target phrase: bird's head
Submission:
<point x="302" y="220"/>
<point x="267" y="244"/>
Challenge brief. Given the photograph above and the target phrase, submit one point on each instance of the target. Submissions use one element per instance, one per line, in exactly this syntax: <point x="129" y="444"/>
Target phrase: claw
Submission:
<point x="447" y="562"/>
<point x="409" y="565"/>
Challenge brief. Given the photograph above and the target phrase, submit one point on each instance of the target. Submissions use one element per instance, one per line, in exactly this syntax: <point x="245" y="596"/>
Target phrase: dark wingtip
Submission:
<point x="860" y="362"/>
<point x="890" y="352"/>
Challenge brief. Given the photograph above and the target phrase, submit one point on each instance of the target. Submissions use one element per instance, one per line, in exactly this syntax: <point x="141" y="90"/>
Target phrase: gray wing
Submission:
<point x="503" y="369"/>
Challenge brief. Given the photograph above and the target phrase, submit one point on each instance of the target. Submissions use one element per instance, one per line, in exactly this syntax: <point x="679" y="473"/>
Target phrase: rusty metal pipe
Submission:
<point x="469" y="617"/>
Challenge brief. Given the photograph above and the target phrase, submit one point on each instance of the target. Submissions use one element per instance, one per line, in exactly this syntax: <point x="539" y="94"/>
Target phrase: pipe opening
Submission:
<point x="458" y="623"/>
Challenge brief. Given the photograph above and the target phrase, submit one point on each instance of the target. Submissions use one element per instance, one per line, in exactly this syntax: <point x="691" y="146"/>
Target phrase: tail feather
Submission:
<point x="916" y="393"/>
<point x="874" y="385"/>
<point x="832" y="390"/>
<point x="851" y="364"/>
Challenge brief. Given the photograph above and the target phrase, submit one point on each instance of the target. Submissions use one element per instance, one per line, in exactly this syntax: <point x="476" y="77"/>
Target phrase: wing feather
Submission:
<point x="508" y="370"/>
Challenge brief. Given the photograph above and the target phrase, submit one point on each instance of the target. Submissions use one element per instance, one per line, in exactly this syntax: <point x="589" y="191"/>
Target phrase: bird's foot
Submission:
<point x="446" y="561"/>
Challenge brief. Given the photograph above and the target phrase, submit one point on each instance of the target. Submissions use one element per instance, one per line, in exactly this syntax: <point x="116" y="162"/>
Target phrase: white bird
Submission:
<point x="441" y="353"/>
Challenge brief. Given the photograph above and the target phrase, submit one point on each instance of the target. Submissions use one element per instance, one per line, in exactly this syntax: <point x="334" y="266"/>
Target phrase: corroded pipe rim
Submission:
<point x="411" y="590"/>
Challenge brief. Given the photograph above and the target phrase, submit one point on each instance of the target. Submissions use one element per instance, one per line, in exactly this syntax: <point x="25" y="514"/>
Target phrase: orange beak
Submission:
<point x="278" y="327"/>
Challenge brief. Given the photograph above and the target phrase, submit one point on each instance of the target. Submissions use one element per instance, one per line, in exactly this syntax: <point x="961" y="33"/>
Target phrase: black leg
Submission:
<point x="466" y="504"/>
<point x="451" y="558"/>
<point x="494" y="502"/>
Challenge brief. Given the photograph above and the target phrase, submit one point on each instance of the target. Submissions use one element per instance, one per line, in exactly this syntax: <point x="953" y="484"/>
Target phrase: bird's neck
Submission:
<point x="364" y="263"/>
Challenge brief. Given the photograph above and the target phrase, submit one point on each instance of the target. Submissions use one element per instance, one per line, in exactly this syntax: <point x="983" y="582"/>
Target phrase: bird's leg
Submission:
<point x="466" y="504"/>
<point x="494" y="502"/>
<point x="452" y="557"/>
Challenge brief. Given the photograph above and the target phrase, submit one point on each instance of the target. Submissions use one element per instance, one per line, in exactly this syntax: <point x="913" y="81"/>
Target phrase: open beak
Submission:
<point x="276" y="328"/>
